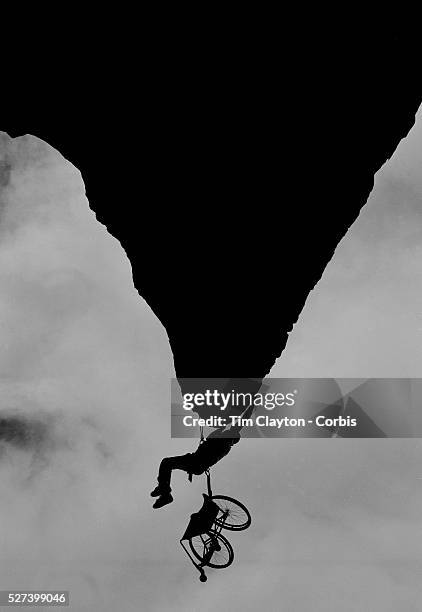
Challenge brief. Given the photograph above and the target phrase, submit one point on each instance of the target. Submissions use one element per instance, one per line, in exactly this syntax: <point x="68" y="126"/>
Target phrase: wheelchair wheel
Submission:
<point x="213" y="549"/>
<point x="237" y="515"/>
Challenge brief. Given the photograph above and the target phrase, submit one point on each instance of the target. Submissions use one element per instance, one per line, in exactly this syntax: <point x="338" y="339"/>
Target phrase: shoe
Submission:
<point x="163" y="500"/>
<point x="157" y="492"/>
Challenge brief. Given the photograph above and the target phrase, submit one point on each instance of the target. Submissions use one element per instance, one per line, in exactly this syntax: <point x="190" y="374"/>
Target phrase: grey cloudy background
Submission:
<point x="336" y="523"/>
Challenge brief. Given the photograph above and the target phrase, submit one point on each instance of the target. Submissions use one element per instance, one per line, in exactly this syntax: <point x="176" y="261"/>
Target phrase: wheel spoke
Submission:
<point x="202" y="547"/>
<point x="233" y="515"/>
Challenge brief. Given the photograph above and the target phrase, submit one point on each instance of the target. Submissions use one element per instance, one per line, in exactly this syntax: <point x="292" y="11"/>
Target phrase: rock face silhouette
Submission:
<point x="82" y="355"/>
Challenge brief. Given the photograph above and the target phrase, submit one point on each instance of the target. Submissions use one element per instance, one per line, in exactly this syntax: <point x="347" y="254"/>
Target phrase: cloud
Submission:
<point x="363" y="319"/>
<point x="84" y="391"/>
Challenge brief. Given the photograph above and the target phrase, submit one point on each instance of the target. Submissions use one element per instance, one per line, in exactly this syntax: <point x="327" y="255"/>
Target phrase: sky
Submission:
<point x="84" y="365"/>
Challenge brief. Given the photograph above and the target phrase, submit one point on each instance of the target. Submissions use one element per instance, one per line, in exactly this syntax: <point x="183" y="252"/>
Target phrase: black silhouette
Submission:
<point x="216" y="446"/>
<point x="207" y="546"/>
